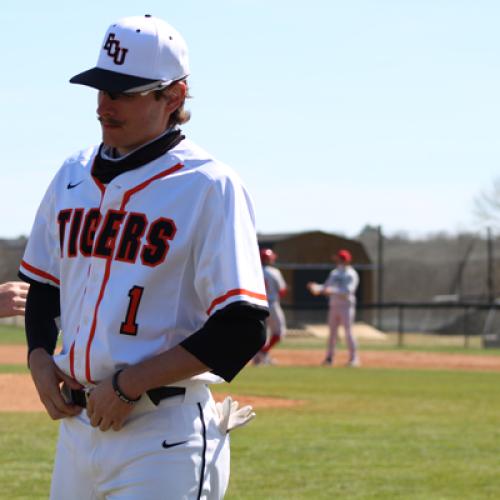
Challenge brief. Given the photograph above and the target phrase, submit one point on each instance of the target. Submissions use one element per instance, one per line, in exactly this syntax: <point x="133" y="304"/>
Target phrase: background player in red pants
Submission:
<point x="340" y="287"/>
<point x="275" y="290"/>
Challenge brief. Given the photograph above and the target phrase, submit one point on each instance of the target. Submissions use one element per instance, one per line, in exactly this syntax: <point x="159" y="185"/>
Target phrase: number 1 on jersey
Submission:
<point x="129" y="326"/>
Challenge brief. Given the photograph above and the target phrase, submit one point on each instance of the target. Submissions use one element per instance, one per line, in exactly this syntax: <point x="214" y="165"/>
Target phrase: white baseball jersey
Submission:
<point x="274" y="283"/>
<point x="342" y="280"/>
<point x="144" y="261"/>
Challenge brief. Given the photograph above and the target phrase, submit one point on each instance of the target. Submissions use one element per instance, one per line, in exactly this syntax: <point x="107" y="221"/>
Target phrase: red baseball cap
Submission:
<point x="267" y="256"/>
<point x="345" y="256"/>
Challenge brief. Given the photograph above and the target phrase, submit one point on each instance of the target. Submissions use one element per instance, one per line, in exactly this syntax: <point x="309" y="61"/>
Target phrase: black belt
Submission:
<point x="155" y="395"/>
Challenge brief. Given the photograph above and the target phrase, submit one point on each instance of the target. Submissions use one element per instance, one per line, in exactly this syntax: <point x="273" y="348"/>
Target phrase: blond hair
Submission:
<point x="180" y="115"/>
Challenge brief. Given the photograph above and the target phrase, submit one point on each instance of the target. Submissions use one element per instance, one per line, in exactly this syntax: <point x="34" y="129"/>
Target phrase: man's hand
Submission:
<point x="13" y="298"/>
<point x="314" y="288"/>
<point x="48" y="379"/>
<point x="105" y="409"/>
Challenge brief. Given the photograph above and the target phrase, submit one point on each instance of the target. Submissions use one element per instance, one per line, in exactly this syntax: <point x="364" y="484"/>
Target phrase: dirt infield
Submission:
<point x="17" y="392"/>
<point x="12" y="355"/>
<point x="392" y="359"/>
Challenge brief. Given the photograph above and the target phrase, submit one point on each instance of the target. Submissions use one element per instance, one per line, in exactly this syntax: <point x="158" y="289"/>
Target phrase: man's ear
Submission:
<point x="175" y="96"/>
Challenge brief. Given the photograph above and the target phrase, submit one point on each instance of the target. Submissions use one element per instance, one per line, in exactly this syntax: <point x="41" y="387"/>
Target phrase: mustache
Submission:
<point x="109" y="121"/>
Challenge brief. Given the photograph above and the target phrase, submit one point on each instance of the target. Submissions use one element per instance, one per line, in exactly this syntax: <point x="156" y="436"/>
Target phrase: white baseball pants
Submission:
<point x="171" y="451"/>
<point x="341" y="314"/>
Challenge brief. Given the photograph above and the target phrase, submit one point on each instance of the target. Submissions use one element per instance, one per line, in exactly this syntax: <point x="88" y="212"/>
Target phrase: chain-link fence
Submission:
<point x="462" y="325"/>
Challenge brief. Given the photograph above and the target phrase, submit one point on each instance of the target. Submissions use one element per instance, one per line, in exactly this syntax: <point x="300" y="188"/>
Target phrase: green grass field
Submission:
<point x="10" y="334"/>
<point x="381" y="434"/>
<point x="359" y="434"/>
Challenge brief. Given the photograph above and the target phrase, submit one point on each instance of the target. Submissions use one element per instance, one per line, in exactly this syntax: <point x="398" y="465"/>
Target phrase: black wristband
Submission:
<point x="119" y="392"/>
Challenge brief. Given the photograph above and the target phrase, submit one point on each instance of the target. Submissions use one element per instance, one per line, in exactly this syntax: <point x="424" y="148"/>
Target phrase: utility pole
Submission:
<point x="489" y="270"/>
<point x="380" y="275"/>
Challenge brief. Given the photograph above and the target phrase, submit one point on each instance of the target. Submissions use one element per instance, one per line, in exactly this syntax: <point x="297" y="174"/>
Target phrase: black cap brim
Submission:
<point x="103" y="79"/>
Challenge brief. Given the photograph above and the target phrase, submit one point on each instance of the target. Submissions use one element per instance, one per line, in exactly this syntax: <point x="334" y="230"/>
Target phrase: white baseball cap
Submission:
<point x="137" y="54"/>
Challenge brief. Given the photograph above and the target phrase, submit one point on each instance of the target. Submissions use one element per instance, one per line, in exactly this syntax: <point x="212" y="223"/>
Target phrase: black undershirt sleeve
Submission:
<point x="226" y="342"/>
<point x="42" y="307"/>
<point x="229" y="339"/>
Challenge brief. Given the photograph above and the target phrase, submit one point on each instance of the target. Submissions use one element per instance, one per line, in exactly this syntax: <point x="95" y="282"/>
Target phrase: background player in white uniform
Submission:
<point x="340" y="287"/>
<point x="275" y="290"/>
<point x="13" y="298"/>
<point x="145" y="247"/>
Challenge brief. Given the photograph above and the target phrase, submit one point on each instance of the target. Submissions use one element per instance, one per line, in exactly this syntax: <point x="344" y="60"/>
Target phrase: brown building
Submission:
<point x="307" y="256"/>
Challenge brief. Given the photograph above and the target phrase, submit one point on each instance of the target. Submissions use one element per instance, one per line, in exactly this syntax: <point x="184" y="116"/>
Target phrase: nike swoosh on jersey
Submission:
<point x="71" y="186"/>
<point x="170" y="445"/>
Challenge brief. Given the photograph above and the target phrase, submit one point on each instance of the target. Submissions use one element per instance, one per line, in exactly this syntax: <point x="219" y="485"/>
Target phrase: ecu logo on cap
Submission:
<point x="112" y="47"/>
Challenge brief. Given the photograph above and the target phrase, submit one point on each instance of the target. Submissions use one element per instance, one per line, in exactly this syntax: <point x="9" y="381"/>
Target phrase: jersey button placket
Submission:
<point x="100" y="267"/>
<point x="94" y="280"/>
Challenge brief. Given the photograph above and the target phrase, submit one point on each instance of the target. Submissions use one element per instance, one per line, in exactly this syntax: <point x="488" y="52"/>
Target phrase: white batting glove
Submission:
<point x="231" y="416"/>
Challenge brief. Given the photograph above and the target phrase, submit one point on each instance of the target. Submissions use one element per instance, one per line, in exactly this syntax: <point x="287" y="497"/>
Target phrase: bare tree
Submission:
<point x="487" y="204"/>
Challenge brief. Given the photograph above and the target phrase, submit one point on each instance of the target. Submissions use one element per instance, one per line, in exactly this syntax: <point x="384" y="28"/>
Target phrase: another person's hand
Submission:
<point x="13" y="298"/>
<point x="48" y="379"/>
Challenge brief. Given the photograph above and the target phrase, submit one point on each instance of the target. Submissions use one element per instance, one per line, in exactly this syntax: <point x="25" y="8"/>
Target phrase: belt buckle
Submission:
<point x="87" y="391"/>
<point x="66" y="394"/>
<point x="79" y="397"/>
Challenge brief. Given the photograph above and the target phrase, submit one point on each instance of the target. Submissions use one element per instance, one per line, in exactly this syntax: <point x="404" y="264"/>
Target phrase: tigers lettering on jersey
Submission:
<point x="117" y="234"/>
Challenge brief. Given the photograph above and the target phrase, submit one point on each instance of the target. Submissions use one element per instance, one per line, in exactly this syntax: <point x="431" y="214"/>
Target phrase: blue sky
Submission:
<point x="336" y="114"/>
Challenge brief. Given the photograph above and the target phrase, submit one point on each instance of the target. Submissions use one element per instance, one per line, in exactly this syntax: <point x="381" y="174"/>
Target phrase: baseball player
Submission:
<point x="144" y="253"/>
<point x="340" y="287"/>
<point x="275" y="290"/>
<point x="13" y="298"/>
